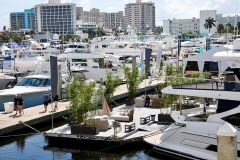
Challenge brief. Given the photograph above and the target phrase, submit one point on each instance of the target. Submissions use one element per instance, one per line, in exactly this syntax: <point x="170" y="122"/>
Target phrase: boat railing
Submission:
<point x="217" y="84"/>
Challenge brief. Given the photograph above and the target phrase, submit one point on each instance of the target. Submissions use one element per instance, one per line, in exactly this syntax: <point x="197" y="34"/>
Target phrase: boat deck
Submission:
<point x="140" y="131"/>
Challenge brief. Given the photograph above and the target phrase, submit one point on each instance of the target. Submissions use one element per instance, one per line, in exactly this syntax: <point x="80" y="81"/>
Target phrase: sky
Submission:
<point x="165" y="9"/>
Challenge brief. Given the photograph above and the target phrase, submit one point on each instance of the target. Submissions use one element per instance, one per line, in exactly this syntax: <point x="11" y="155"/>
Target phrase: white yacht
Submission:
<point x="90" y="65"/>
<point x="31" y="88"/>
<point x="193" y="137"/>
<point x="77" y="48"/>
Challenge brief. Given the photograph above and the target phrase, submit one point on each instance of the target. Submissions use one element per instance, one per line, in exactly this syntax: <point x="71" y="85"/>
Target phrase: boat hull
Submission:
<point x="91" y="142"/>
<point x="30" y="99"/>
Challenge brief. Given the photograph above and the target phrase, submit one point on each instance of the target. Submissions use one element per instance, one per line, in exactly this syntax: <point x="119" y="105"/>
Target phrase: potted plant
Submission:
<point x="83" y="101"/>
<point x="133" y="80"/>
<point x="110" y="85"/>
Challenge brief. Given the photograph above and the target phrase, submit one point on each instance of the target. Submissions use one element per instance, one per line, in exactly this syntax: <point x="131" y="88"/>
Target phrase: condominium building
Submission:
<point x="91" y="17"/>
<point x="113" y="20"/>
<point x="181" y="26"/>
<point x="195" y="25"/>
<point x="140" y="16"/>
<point x="56" y="17"/>
<point x="233" y="20"/>
<point x="23" y="20"/>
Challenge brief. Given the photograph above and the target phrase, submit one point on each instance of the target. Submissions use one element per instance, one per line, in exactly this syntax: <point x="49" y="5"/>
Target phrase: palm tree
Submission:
<point x="238" y="27"/>
<point x="4" y="28"/>
<point x="220" y="28"/>
<point x="229" y="27"/>
<point x="209" y="23"/>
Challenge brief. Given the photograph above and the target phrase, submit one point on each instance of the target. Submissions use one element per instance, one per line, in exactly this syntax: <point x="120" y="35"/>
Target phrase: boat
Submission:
<point x="194" y="136"/>
<point x="89" y="65"/>
<point x="5" y="80"/>
<point x="31" y="88"/>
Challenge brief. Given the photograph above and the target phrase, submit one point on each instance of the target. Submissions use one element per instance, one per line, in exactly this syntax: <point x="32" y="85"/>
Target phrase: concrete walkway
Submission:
<point x="31" y="116"/>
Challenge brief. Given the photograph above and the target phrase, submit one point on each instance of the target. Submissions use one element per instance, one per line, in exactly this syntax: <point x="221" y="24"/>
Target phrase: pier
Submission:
<point x="35" y="115"/>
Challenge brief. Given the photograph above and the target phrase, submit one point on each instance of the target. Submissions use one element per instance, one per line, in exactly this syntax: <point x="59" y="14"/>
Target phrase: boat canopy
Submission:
<point x="213" y="55"/>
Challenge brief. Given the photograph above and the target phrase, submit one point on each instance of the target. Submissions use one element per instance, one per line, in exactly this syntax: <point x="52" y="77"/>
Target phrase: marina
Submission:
<point x="133" y="80"/>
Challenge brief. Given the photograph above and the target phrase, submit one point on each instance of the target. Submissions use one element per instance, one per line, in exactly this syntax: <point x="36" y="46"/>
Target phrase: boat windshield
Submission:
<point x="35" y="82"/>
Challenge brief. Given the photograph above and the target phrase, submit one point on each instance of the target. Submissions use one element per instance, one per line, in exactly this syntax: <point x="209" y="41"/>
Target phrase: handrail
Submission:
<point x="202" y="84"/>
<point x="174" y="76"/>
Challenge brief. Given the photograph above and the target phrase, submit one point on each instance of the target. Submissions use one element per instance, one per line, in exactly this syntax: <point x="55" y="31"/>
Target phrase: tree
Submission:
<point x="169" y="70"/>
<point x="91" y="33"/>
<point x="209" y="23"/>
<point x="189" y="32"/>
<point x="116" y="31"/>
<point x="4" y="28"/>
<point x="100" y="32"/>
<point x="110" y="85"/>
<point x="238" y="27"/>
<point x="159" y="29"/>
<point x="229" y="27"/>
<point x="83" y="99"/>
<point x="220" y="28"/>
<point x="133" y="80"/>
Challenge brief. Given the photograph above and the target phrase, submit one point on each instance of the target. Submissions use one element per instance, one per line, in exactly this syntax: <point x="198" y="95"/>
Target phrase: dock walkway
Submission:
<point x="31" y="116"/>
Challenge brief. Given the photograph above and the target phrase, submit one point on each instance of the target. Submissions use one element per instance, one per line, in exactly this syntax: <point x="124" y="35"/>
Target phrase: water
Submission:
<point x="31" y="147"/>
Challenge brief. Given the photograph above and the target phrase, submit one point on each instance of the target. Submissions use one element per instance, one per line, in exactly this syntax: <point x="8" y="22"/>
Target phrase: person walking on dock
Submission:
<point x="55" y="98"/>
<point x="20" y="104"/>
<point x="16" y="104"/>
<point x="46" y="100"/>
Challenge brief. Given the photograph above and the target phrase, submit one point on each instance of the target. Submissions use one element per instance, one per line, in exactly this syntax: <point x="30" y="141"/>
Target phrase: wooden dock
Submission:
<point x="34" y="115"/>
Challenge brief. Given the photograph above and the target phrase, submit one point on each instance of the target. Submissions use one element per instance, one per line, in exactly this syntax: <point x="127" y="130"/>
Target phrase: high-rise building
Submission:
<point x="56" y="17"/>
<point x="113" y="20"/>
<point x="92" y="17"/>
<point x="23" y="20"/>
<point x="233" y="20"/>
<point x="205" y="14"/>
<point x="181" y="26"/>
<point x="140" y="16"/>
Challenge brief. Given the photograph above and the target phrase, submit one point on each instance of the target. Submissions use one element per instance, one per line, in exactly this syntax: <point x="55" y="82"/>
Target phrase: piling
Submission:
<point x="227" y="142"/>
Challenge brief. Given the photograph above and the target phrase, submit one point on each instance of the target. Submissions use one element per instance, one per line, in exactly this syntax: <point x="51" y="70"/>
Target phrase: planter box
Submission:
<point x="86" y="130"/>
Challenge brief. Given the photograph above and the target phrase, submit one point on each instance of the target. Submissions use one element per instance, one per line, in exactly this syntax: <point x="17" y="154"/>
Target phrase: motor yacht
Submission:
<point x="31" y="88"/>
<point x="89" y="65"/>
<point x="194" y="136"/>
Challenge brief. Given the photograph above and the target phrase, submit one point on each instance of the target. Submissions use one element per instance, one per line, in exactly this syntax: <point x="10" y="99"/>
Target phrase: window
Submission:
<point x="79" y="60"/>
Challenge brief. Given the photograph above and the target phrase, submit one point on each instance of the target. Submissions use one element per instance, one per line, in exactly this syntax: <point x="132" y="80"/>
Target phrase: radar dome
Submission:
<point x="236" y="44"/>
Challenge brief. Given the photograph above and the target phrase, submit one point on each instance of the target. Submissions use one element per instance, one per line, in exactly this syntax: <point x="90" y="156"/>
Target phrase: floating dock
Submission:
<point x="105" y="141"/>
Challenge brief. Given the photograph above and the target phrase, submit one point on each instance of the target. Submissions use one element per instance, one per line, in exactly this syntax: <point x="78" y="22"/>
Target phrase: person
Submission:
<point x="55" y="98"/>
<point x="16" y="104"/>
<point x="20" y="104"/>
<point x="147" y="101"/>
<point x="45" y="101"/>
